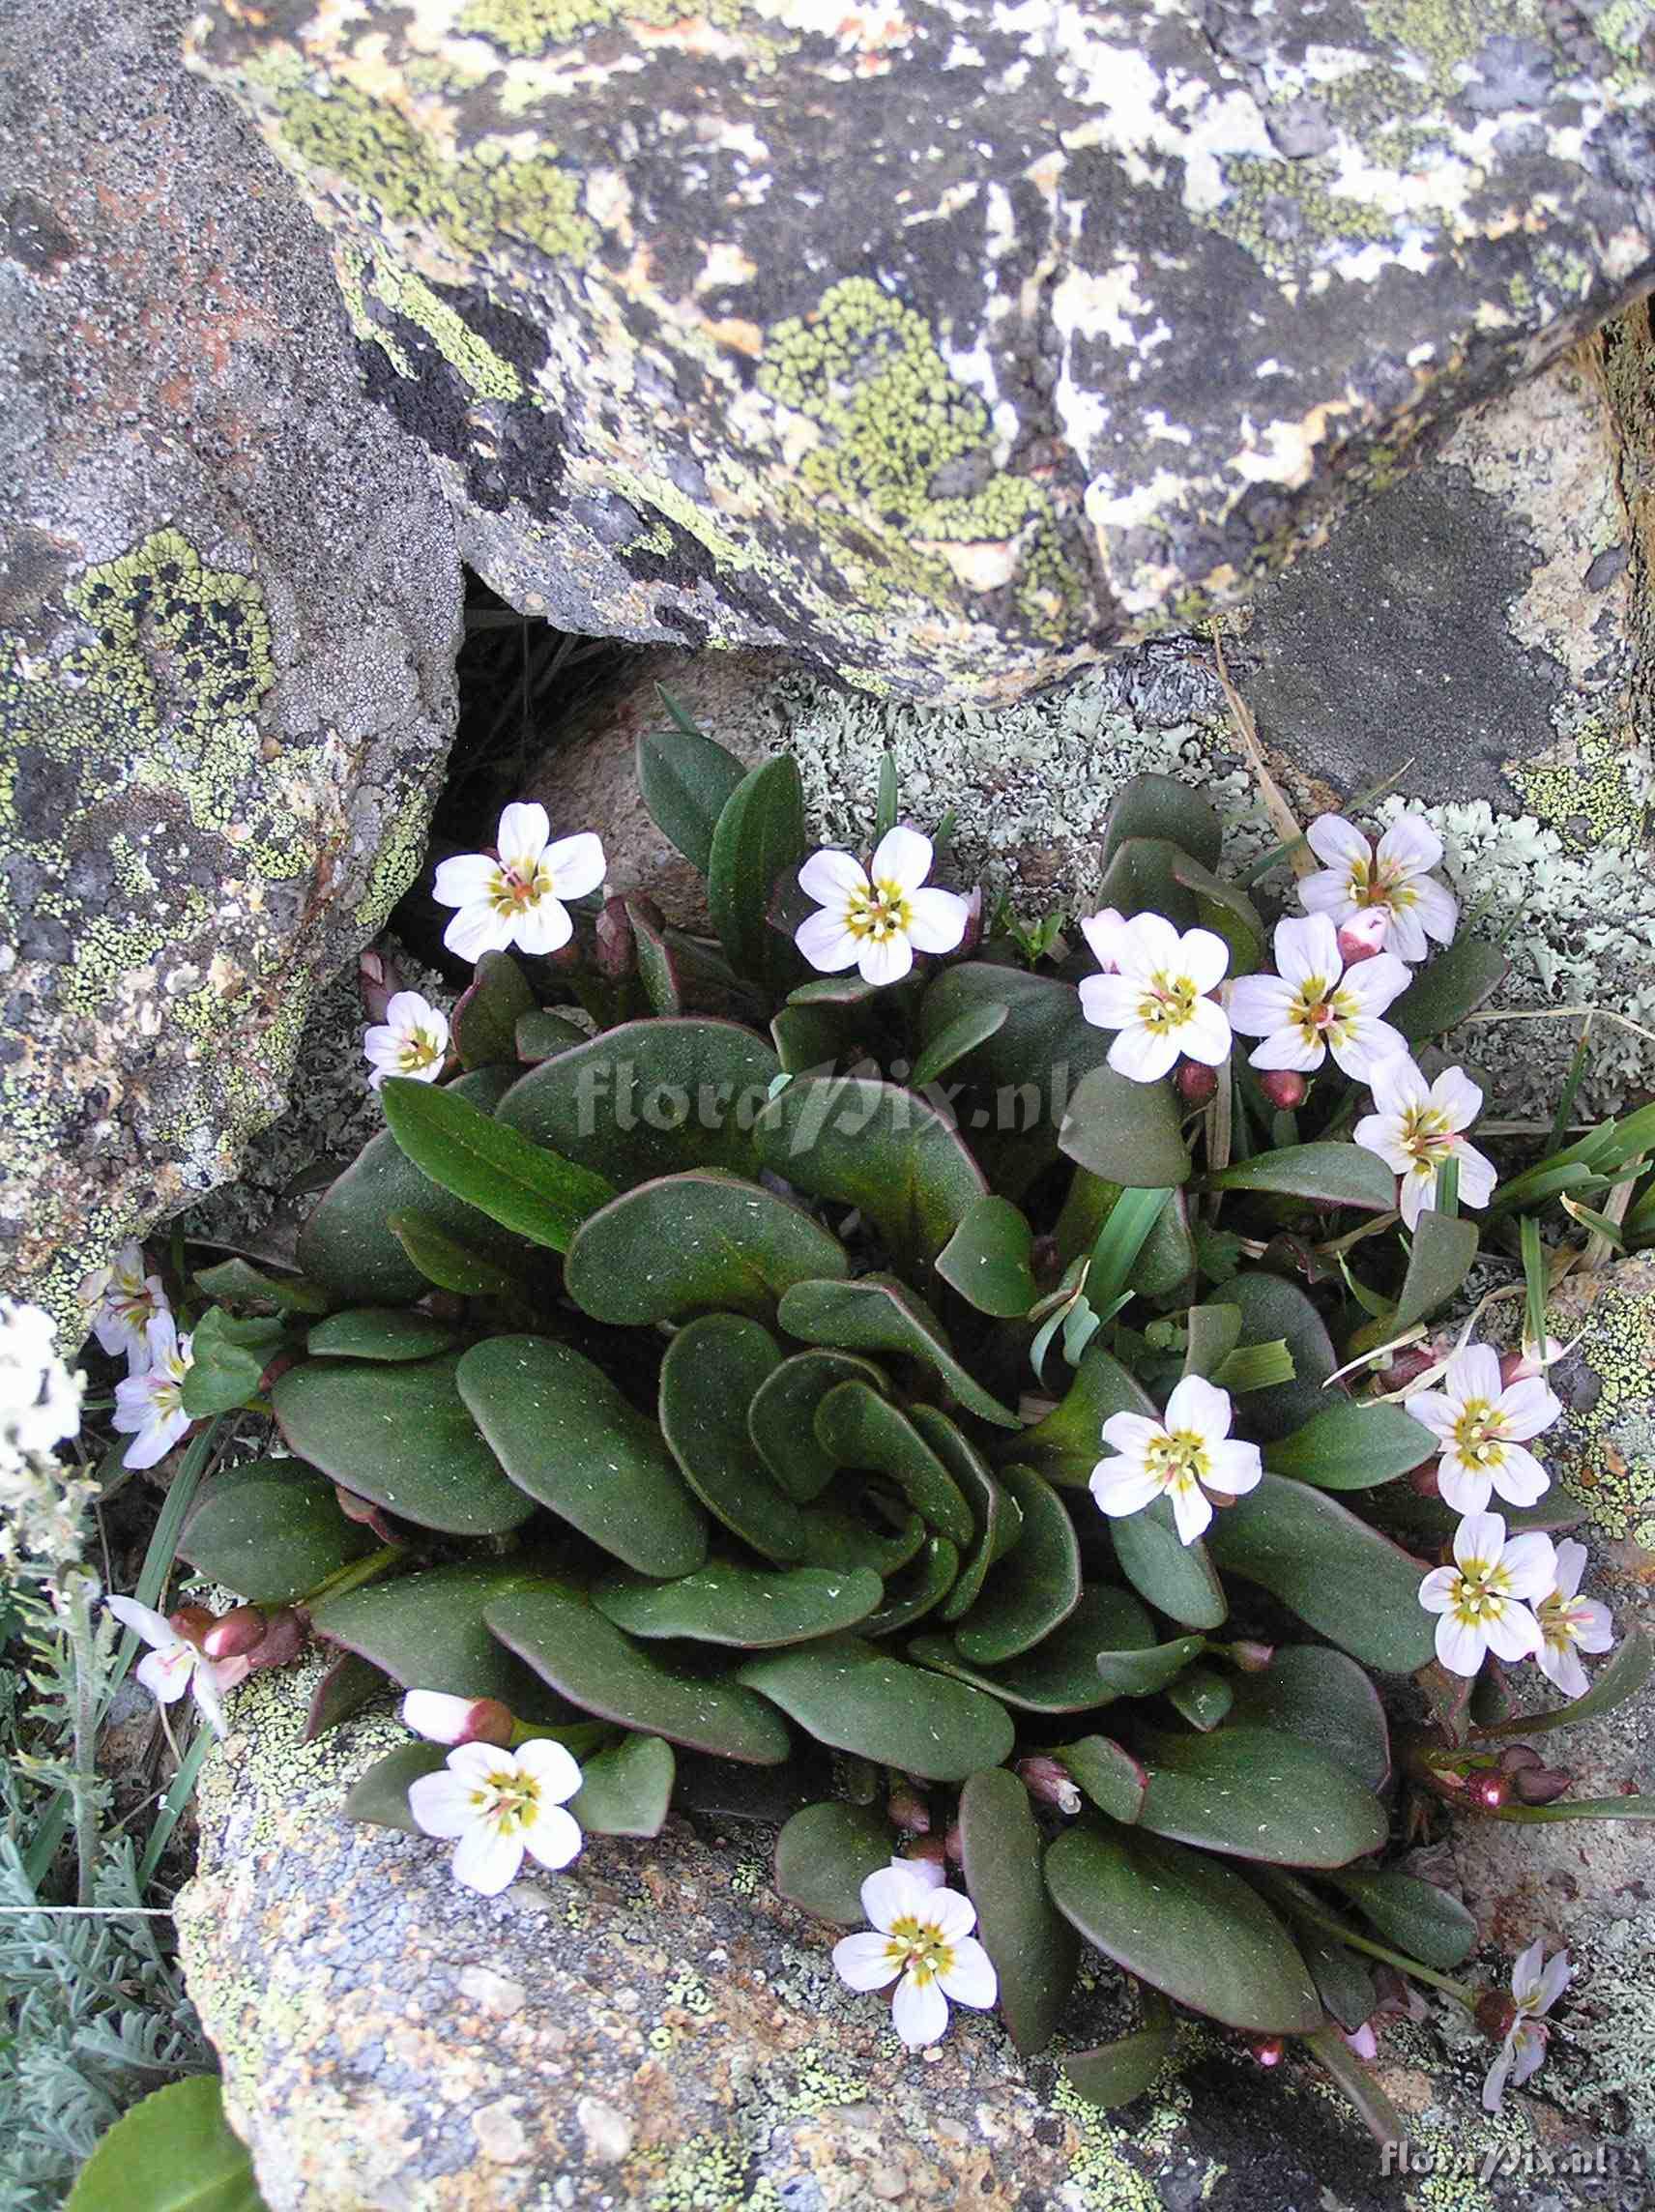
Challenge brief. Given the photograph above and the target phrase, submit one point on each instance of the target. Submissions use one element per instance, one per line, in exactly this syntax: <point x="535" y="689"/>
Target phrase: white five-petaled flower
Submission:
<point x="876" y="918"/>
<point x="1185" y="1455"/>
<point x="1484" y="1601"/>
<point x="1570" y="1625"/>
<point x="1156" y="999"/>
<point x="1315" y="1005"/>
<point x="149" y="1405"/>
<point x="498" y="1804"/>
<point x="1481" y="1429"/>
<point x="130" y="1301"/>
<point x="412" y="1039"/>
<point x="921" y="1931"/>
<point x="1418" y="1125"/>
<point x="518" y="898"/>
<point x="1536" y="1985"/>
<point x="174" y="1665"/>
<point x="1395" y="881"/>
<point x="39" y="1399"/>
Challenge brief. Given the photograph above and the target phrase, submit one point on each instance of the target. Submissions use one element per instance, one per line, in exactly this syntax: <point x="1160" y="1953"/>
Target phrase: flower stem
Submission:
<point x="353" y="1577"/>
<point x="1397" y="1959"/>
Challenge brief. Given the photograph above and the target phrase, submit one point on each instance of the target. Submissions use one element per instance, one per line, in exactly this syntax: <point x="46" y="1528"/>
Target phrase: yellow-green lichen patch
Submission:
<point x="397" y="860"/>
<point x="1599" y="797"/>
<point x="486" y="373"/>
<point x="531" y="26"/>
<point x="1102" y="2177"/>
<point x="1321" y="219"/>
<point x="1605" y="1454"/>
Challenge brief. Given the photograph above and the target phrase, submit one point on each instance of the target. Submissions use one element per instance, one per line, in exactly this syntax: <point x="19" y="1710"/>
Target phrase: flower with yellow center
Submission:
<point x="921" y="1940"/>
<point x="412" y="1039"/>
<point x="1484" y="1601"/>
<point x="1156" y="998"/>
<point x="1536" y="1985"/>
<point x="515" y="895"/>
<point x="876" y="919"/>
<point x="149" y="1405"/>
<point x="1394" y="880"/>
<point x="1569" y="1623"/>
<point x="1419" y="1126"/>
<point x="131" y="1299"/>
<point x="497" y="1805"/>
<point x="1187" y="1456"/>
<point x="1481" y="1427"/>
<point x="1314" y="1005"/>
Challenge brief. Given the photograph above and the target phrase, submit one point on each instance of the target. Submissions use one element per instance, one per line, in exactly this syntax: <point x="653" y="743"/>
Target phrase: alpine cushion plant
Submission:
<point x="779" y="1359"/>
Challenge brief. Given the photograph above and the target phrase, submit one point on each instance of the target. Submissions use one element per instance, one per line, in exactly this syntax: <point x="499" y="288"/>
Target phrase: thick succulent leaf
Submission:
<point x="1451" y="984"/>
<point x="1161" y="806"/>
<point x="758" y="838"/>
<point x="917" y="1590"/>
<point x="1113" y="2074"/>
<point x="236" y="1282"/>
<point x="841" y="1533"/>
<point x="959" y="1036"/>
<point x="1111" y="1777"/>
<point x="529" y="1190"/>
<point x="1144" y="1667"/>
<point x="1126" y="1132"/>
<point x="1177" y="1578"/>
<point x="995" y="1517"/>
<point x="1320" y="1694"/>
<point x="445" y="1258"/>
<point x="823" y="1855"/>
<point x="347" y="1684"/>
<point x="1444" y="1245"/>
<point x="857" y="1427"/>
<point x="754" y="1608"/>
<point x="686" y="779"/>
<point x="660" y="970"/>
<point x="1351" y="1446"/>
<point x="1343" y="1979"/>
<point x="426" y="1632"/>
<point x="587" y="1660"/>
<point x="1034" y="1950"/>
<point x="626" y="1789"/>
<point x="1032" y="1058"/>
<point x="380" y="1796"/>
<point x="1228" y="912"/>
<point x="1184" y="1923"/>
<point x="1414" y="1916"/>
<point x="781" y="1419"/>
<point x="1330" y="1175"/>
<point x="708" y="1376"/>
<point x="347" y="1244"/>
<point x="1037" y="1585"/>
<point x="230" y="1353"/>
<point x="1067" y="1445"/>
<point x="1061" y="1674"/>
<point x="650" y="1099"/>
<point x="877" y="1313"/>
<point x="401" y="1436"/>
<point x="272" y="1532"/>
<point x="564" y="1434"/>
<point x="704" y="1241"/>
<point x="1202" y="1696"/>
<point x="987" y="1259"/>
<point x="541" y="1034"/>
<point x="1272" y="1308"/>
<point x="486" y="1017"/>
<point x="1350" y="1584"/>
<point x="1257" y="1795"/>
<point x="379" y="1332"/>
<point x="856" y="1698"/>
<point x="875" y="1146"/>
<point x="807" y="1037"/>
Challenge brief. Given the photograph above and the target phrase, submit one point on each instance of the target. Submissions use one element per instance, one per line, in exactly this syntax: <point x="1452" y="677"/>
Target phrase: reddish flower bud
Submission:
<point x="190" y="1621"/>
<point x="1284" y="1087"/>
<point x="1524" y="1365"/>
<point x="1541" y="1784"/>
<point x="443" y="1719"/>
<point x="1423" y="1480"/>
<point x="1196" y="1083"/>
<point x="234" y="1634"/>
<point x="1497" y="2011"/>
<point x="1250" y="1655"/>
<point x="1516" y="1754"/>
<point x="908" y="1811"/>
<point x="615" y="952"/>
<point x="1407" y="1366"/>
<point x="1269" y="2050"/>
<point x="284" y="1639"/>
<point x="1363" y="934"/>
<point x="930" y="1847"/>
<point x="1489" y="1791"/>
<point x="1051" y="1781"/>
<point x="379" y="983"/>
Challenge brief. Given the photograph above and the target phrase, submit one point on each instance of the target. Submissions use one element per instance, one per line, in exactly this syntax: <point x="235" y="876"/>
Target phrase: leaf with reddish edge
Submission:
<point x="486" y="1017"/>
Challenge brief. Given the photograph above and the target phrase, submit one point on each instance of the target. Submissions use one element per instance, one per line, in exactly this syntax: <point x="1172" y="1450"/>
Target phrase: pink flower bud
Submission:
<point x="1363" y="934"/>
<point x="1490" y="1792"/>
<point x="1524" y="1365"/>
<point x="1541" y="1784"/>
<point x="1362" y="2040"/>
<point x="443" y="1719"/>
<point x="1269" y="2050"/>
<point x="1284" y="1087"/>
<point x="1251" y="1656"/>
<point x="1196" y="1083"/>
<point x="908" y="1811"/>
<point x="1049" y="1780"/>
<point x="234" y="1634"/>
<point x="1407" y="1366"/>
<point x="1518" y="1755"/>
<point x="932" y="1848"/>
<point x="284" y="1640"/>
<point x="615" y="953"/>
<point x="190" y="1621"/>
<point x="379" y="983"/>
<point x="1423" y="1482"/>
<point x="1496" y="2013"/>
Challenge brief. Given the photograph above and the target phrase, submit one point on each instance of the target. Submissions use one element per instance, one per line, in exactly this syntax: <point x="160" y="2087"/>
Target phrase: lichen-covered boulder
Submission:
<point x="945" y="346"/>
<point x="230" y="604"/>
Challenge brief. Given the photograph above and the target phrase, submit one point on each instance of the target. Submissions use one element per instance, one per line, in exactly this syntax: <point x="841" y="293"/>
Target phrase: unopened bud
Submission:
<point x="1269" y="2050"/>
<point x="1519" y="1754"/>
<point x="190" y="1621"/>
<point x="282" y="1642"/>
<point x="1051" y="1781"/>
<point x="379" y="983"/>
<point x="908" y="1811"/>
<point x="1250" y="1655"/>
<point x="931" y="1848"/>
<point x="615" y="952"/>
<point x="1198" y="1084"/>
<point x="1423" y="1482"/>
<point x="234" y="1634"/>
<point x="1363" y="934"/>
<point x="1284" y="1087"/>
<point x="365" y="1511"/>
<point x="1524" y="1365"/>
<point x="443" y="1719"/>
<point x="1363" y="2039"/>
<point x="1541" y="1784"/>
<point x="1407" y="1366"/>
<point x="1491" y="1792"/>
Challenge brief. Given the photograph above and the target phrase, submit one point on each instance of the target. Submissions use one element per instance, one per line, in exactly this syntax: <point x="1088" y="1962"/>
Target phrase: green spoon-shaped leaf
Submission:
<point x="1034" y="1950"/>
<point x="380" y="1796"/>
<point x="1332" y="1175"/>
<point x="1352" y="1447"/>
<point x="379" y="1332"/>
<point x="403" y="1437"/>
<point x="426" y="1632"/>
<point x="876" y="1313"/>
<point x="855" y="1697"/>
<point x="486" y="1017"/>
<point x="1428" y="1923"/>
<point x="626" y="1789"/>
<point x="1174" y="1577"/>
<point x="1109" y="1774"/>
<point x="1271" y="1308"/>
<point x="700" y="1243"/>
<point x="877" y="1147"/>
<point x="564" y="1434"/>
<point x="1320" y="1694"/>
<point x="529" y="1190"/>
<point x="1139" y="1673"/>
<point x="987" y="1259"/>
<point x="782" y="1418"/>
<point x="995" y="1518"/>
<point x="587" y="1660"/>
<point x="272" y="1532"/>
<point x="1061" y="1674"/>
<point x="1113" y="2074"/>
<point x="918" y="1592"/>
<point x="444" y="1257"/>
<point x="858" y="1428"/>
<point x="1068" y="1443"/>
<point x="843" y="1533"/>
<point x="1037" y="1585"/>
<point x="708" y="1376"/>
<point x="755" y="1608"/>
<point x="1259" y="1795"/>
<point x="823" y="1855"/>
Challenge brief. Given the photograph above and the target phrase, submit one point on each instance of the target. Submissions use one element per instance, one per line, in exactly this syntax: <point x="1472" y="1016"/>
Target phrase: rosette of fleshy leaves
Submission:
<point x="713" y="1373"/>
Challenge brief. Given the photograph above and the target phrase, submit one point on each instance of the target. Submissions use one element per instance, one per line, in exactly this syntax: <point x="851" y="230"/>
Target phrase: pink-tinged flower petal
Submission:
<point x="1593" y="1624"/>
<point x="902" y="857"/>
<point x="1554" y="1981"/>
<point x="885" y="960"/>
<point x="1473" y="1373"/>
<point x="487" y="1861"/>
<point x="1110" y="1002"/>
<point x="829" y="877"/>
<point x="1494" y="2081"/>
<point x="1477" y="1175"/>
<point x="1464" y="1489"/>
<point x="525" y="827"/>
<point x="1530" y="1564"/>
<point x="483" y="1765"/>
<point x="1398" y="1084"/>
<point x="971" y="1979"/>
<point x="1288" y="1048"/>
<point x="889" y="1893"/>
<point x="950" y="1912"/>
<point x="1437" y="909"/>
<point x="1410" y="846"/>
<point x="919" y="2012"/>
<point x="207" y="1686"/>
<point x="1205" y="958"/>
<point x="1418" y="1196"/>
<point x="1131" y="1432"/>
<point x="1206" y="1036"/>
<point x="1259" y="1005"/>
<point x="1405" y="934"/>
<point x="1560" y="1664"/>
<point x="1458" y="1097"/>
<point x="1199" y="1405"/>
<point x="1307" y="949"/>
<point x="826" y="943"/>
<point x="1432" y="1409"/>
<point x="1236" y="1468"/>
<point x="1148" y="944"/>
<point x="442" y="1803"/>
<point x="153" y="1627"/>
<point x="478" y="929"/>
<point x="1479" y="1541"/>
<point x="436" y="1715"/>
<point x="1143" y="1056"/>
<point x="1121" y="1487"/>
<point x="1569" y="1566"/>
<point x="165" y="1674"/>
<point x="1513" y="1633"/>
<point x="937" y="921"/>
<point x="1192" y="1512"/>
<point x="1329" y="892"/>
<point x="552" y="1766"/>
<point x="1520" y="1478"/>
<point x="1336" y="842"/>
<point x="553" y="1838"/>
<point x="577" y="864"/>
<point x="1436" y="1591"/>
<point x="1529" y="2039"/>
<point x="1362" y="2040"/>
<point x="1366" y="1044"/>
<point x="864" y="1962"/>
<point x="1526" y="1408"/>
<point x="467" y="880"/>
<point x="152" y="1443"/>
<point x="544" y="927"/>
<point x="1374" y="983"/>
<point x="1102" y="932"/>
<point x="1459" y="1646"/>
